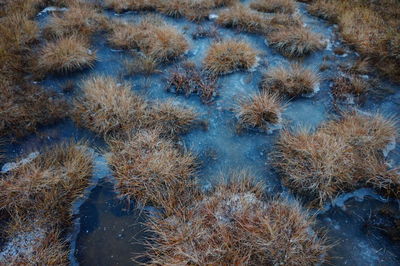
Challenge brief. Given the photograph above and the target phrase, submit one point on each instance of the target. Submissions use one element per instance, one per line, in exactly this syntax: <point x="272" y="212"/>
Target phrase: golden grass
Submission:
<point x="295" y="41"/>
<point x="107" y="106"/>
<point x="124" y="5"/>
<point x="151" y="36"/>
<point x="272" y="6"/>
<point x="340" y="156"/>
<point x="293" y="81"/>
<point x="65" y="54"/>
<point x="38" y="197"/>
<point x="234" y="225"/>
<point x="25" y="107"/>
<point x="152" y="170"/>
<point x="230" y="55"/>
<point x="259" y="111"/>
<point x="243" y="18"/>
<point x="81" y="20"/>
<point x="368" y="26"/>
<point x="187" y="79"/>
<point x="141" y="64"/>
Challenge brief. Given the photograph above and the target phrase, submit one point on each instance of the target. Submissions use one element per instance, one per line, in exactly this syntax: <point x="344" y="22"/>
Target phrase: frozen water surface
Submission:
<point x="110" y="232"/>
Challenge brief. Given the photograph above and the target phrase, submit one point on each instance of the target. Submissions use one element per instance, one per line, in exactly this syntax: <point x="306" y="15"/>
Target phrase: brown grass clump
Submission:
<point x="188" y="79"/>
<point x="151" y="170"/>
<point x="81" y="20"/>
<point x="65" y="54"/>
<point x="259" y="111"/>
<point x="234" y="225"/>
<point x="227" y="56"/>
<point x="243" y="19"/>
<point x="152" y="37"/>
<point x="295" y="41"/>
<point x="338" y="157"/>
<point x="272" y="6"/>
<point x="171" y="119"/>
<point x="107" y="106"/>
<point x="349" y="86"/>
<point x="142" y="64"/>
<point x="25" y="107"/>
<point x="38" y="196"/>
<point x="124" y="5"/>
<point x="368" y="26"/>
<point x="293" y="81"/>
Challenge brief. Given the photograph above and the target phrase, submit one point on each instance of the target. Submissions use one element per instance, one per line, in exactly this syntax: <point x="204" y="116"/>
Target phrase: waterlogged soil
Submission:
<point x="109" y="231"/>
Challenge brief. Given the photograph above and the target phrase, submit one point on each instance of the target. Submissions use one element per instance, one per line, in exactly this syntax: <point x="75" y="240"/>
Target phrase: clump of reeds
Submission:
<point x="243" y="18"/>
<point x="151" y="36"/>
<point x="187" y="79"/>
<point x="107" y="106"/>
<point x="234" y="224"/>
<point x="230" y="55"/>
<point x="259" y="111"/>
<point x="292" y="81"/>
<point x="340" y="156"/>
<point x="38" y="195"/>
<point x="79" y="19"/>
<point x="345" y="86"/>
<point x="65" y="54"/>
<point x="295" y="41"/>
<point x="152" y="170"/>
<point x="25" y="107"/>
<point x="278" y="6"/>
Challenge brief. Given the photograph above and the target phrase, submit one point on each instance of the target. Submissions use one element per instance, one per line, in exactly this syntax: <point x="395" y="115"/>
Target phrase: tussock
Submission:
<point x="230" y="55"/>
<point x="293" y="81"/>
<point x="259" y="111"/>
<point x="340" y="156"/>
<point x="271" y="6"/>
<point x="65" y="54"/>
<point x="152" y="170"/>
<point x="233" y="224"/>
<point x="351" y="85"/>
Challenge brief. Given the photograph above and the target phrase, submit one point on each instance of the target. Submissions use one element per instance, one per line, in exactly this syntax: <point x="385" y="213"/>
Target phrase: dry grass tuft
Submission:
<point x="345" y="86"/>
<point x="152" y="170"/>
<point x="293" y="81"/>
<point x="230" y="55"/>
<point x="340" y="156"/>
<point x="38" y="197"/>
<point x="65" y="54"/>
<point x="188" y="79"/>
<point x="272" y="6"/>
<point x="81" y="20"/>
<point x="135" y="5"/>
<point x="243" y="19"/>
<point x="371" y="27"/>
<point x="151" y="36"/>
<point x="295" y="41"/>
<point x="259" y="111"/>
<point x="108" y="107"/>
<point x="141" y="64"/>
<point x="25" y="107"/>
<point x="234" y="225"/>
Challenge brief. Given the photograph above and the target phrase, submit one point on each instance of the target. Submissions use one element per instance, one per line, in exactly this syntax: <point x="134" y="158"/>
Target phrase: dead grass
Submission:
<point x="81" y="20"/>
<point x="340" y="156"/>
<point x="108" y="107"/>
<point x="234" y="225"/>
<point x="351" y="85"/>
<point x="187" y="79"/>
<point x="272" y="6"/>
<point x="369" y="27"/>
<point x="65" y="54"/>
<point x="151" y="36"/>
<point x="141" y="64"/>
<point x="259" y="111"/>
<point x="295" y="41"/>
<point x="135" y="5"/>
<point x="23" y="108"/>
<point x="293" y="81"/>
<point x="152" y="170"/>
<point x="228" y="56"/>
<point x="243" y="18"/>
<point x="38" y="196"/>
